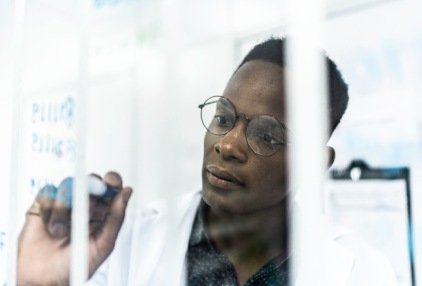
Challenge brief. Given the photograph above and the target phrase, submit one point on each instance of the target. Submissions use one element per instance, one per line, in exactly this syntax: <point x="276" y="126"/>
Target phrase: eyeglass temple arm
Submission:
<point x="202" y="105"/>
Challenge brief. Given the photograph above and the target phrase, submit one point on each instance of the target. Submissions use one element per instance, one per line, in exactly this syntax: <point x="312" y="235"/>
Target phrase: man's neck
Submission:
<point x="250" y="240"/>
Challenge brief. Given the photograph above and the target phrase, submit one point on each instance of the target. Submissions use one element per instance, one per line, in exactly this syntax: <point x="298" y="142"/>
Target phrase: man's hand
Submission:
<point x="45" y="241"/>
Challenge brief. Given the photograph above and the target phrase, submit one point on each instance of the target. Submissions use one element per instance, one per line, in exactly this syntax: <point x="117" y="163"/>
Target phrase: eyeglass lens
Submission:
<point x="264" y="133"/>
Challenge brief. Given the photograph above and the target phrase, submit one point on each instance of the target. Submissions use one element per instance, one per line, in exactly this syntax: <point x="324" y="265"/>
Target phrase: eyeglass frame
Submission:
<point x="284" y="128"/>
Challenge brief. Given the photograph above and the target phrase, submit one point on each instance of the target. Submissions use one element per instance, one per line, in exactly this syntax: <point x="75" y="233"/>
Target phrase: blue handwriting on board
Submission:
<point x="63" y="111"/>
<point x="2" y="234"/>
<point x="36" y="184"/>
<point x="46" y="144"/>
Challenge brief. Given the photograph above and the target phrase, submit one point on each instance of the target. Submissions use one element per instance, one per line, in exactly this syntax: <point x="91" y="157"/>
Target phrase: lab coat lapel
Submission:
<point x="150" y="269"/>
<point x="148" y="263"/>
<point x="338" y="263"/>
<point x="144" y="259"/>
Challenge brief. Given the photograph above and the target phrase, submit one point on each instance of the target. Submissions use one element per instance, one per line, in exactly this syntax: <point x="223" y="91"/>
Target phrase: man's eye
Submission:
<point x="268" y="139"/>
<point x="221" y="119"/>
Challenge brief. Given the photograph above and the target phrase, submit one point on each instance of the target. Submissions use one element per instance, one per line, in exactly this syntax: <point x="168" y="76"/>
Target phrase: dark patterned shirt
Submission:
<point x="208" y="266"/>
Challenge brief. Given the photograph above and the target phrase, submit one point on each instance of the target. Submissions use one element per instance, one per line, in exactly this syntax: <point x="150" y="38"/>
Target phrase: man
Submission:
<point x="234" y="232"/>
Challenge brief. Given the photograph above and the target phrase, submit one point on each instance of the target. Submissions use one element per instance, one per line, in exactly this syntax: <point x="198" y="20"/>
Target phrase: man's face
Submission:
<point x="257" y="182"/>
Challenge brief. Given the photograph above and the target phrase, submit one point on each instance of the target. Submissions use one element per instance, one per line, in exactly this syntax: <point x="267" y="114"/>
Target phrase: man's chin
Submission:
<point x="227" y="201"/>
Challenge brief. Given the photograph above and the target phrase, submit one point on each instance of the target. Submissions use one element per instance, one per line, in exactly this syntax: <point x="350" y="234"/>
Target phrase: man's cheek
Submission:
<point x="274" y="177"/>
<point x="207" y="141"/>
<point x="209" y="144"/>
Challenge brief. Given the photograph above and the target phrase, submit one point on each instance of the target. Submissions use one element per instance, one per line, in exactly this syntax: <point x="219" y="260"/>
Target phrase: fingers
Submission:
<point x="98" y="214"/>
<point x="113" y="179"/>
<point x="43" y="203"/>
<point x="60" y="217"/>
<point x="46" y="201"/>
<point x="100" y="205"/>
<point x="93" y="199"/>
<point x="54" y="206"/>
<point x="96" y="175"/>
<point x="114" y="220"/>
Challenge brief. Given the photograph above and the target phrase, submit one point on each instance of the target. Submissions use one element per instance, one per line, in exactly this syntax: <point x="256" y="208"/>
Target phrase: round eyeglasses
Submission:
<point x="265" y="134"/>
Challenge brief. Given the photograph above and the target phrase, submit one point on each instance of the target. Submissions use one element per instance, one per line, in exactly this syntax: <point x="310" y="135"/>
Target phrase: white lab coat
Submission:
<point x="139" y="254"/>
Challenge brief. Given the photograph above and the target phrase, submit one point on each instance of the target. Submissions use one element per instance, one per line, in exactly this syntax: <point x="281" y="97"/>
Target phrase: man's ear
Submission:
<point x="331" y="156"/>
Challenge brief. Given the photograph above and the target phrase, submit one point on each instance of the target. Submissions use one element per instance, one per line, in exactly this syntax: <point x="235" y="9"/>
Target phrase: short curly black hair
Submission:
<point x="273" y="51"/>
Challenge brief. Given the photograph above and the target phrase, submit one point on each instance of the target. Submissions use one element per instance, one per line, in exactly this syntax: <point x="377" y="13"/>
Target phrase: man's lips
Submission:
<point x="222" y="179"/>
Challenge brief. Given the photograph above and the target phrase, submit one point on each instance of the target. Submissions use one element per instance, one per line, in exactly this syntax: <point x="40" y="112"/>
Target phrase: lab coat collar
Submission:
<point x="337" y="259"/>
<point x="164" y="243"/>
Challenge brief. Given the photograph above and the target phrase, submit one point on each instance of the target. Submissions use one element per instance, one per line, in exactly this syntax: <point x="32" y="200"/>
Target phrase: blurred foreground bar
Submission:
<point x="307" y="118"/>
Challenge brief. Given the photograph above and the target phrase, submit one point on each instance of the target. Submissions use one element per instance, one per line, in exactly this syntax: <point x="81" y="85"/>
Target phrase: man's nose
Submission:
<point x="233" y="145"/>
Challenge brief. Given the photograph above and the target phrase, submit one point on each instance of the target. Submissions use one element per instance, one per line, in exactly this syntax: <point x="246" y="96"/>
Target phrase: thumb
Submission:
<point x="114" y="220"/>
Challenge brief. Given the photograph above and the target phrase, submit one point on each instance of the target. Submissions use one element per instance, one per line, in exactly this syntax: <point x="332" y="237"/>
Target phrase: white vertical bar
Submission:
<point x="307" y="115"/>
<point x="79" y="255"/>
<point x="15" y="195"/>
<point x="171" y="12"/>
